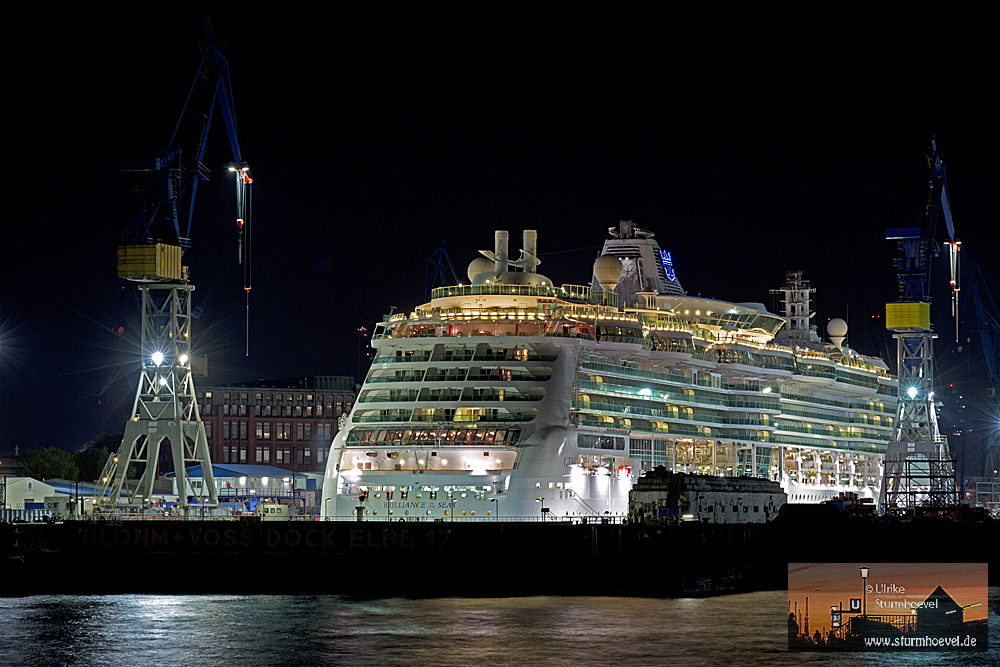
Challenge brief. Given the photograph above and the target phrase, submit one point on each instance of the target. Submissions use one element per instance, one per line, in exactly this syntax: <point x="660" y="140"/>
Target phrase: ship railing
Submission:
<point x="563" y="520"/>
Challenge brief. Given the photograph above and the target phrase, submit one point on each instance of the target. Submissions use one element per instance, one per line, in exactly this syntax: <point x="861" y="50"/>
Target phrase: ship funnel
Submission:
<point x="529" y="242"/>
<point x="500" y="251"/>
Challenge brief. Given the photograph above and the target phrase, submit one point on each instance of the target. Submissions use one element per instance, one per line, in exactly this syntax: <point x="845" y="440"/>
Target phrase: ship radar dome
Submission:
<point x="479" y="265"/>
<point x="836" y="329"/>
<point x="608" y="271"/>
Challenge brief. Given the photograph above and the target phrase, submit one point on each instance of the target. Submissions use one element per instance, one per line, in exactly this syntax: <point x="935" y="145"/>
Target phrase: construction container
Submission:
<point x="909" y="316"/>
<point x="155" y="261"/>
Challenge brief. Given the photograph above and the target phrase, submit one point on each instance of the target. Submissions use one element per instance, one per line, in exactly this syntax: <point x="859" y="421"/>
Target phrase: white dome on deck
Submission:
<point x="479" y="265"/>
<point x="608" y="271"/>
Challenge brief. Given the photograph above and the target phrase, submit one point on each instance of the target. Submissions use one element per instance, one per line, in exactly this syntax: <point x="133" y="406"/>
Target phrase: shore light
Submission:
<point x="864" y="591"/>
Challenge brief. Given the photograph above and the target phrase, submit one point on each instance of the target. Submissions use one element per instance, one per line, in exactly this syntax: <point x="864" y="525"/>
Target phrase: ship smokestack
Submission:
<point x="500" y="248"/>
<point x="529" y="241"/>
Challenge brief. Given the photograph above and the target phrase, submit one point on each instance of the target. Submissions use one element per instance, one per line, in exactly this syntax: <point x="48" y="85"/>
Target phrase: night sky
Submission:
<point x="751" y="145"/>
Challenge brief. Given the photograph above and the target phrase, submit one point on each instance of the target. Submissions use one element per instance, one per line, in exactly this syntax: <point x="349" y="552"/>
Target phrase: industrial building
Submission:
<point x="288" y="423"/>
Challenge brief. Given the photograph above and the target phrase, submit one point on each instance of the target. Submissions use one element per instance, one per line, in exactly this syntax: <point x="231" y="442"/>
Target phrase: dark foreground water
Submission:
<point x="737" y="630"/>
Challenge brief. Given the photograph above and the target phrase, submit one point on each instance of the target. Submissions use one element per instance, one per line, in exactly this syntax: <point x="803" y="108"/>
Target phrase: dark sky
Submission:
<point x="751" y="146"/>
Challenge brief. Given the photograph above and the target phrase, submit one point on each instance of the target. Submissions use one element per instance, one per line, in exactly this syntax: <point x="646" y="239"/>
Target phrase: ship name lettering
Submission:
<point x="438" y="538"/>
<point x="292" y="538"/>
<point x="289" y="542"/>
<point x="159" y="537"/>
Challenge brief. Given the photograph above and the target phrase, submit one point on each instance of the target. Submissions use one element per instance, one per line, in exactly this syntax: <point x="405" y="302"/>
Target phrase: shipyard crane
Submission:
<point x="988" y="327"/>
<point x="439" y="271"/>
<point x="919" y="468"/>
<point x="151" y="253"/>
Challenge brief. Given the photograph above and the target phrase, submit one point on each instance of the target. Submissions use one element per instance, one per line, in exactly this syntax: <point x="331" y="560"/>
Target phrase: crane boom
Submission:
<point x="166" y="209"/>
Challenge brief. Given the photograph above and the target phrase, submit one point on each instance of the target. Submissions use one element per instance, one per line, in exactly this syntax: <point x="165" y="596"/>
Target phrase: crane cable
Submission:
<point x="243" y="210"/>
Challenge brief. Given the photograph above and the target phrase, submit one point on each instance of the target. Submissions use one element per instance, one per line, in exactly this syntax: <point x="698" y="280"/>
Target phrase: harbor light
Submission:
<point x="912" y="392"/>
<point x="864" y="591"/>
<point x="183" y="359"/>
<point x="157" y="357"/>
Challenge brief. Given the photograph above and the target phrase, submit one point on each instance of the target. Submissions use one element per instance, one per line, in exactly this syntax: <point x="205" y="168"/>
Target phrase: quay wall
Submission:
<point x="470" y="559"/>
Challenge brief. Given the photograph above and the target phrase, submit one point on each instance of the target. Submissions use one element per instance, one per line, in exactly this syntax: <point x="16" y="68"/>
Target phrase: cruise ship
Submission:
<point x="512" y="397"/>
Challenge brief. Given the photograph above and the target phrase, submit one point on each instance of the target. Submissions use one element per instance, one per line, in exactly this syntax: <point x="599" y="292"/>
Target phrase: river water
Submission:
<point x="742" y="630"/>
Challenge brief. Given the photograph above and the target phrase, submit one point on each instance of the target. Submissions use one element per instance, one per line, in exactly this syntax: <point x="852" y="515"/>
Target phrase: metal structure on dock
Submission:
<point x="165" y="406"/>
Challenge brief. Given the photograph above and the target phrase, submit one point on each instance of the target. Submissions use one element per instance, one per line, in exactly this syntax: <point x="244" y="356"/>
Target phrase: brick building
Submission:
<point x="286" y="423"/>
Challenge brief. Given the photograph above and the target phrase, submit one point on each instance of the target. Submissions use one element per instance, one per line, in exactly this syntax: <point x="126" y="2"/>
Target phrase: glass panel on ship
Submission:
<point x="513" y="398"/>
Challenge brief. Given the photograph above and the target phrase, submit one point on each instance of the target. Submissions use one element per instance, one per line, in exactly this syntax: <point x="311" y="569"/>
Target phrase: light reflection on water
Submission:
<point x="268" y="630"/>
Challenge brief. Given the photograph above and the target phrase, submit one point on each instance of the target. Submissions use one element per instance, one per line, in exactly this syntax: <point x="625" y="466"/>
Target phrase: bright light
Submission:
<point x="911" y="392"/>
<point x="264" y="480"/>
<point x="765" y="390"/>
<point x="157" y="358"/>
<point x="183" y="359"/>
<point x="163" y="381"/>
<point x="645" y="391"/>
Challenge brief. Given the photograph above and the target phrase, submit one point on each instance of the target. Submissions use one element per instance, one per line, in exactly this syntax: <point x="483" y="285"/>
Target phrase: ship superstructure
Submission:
<point x="514" y="397"/>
